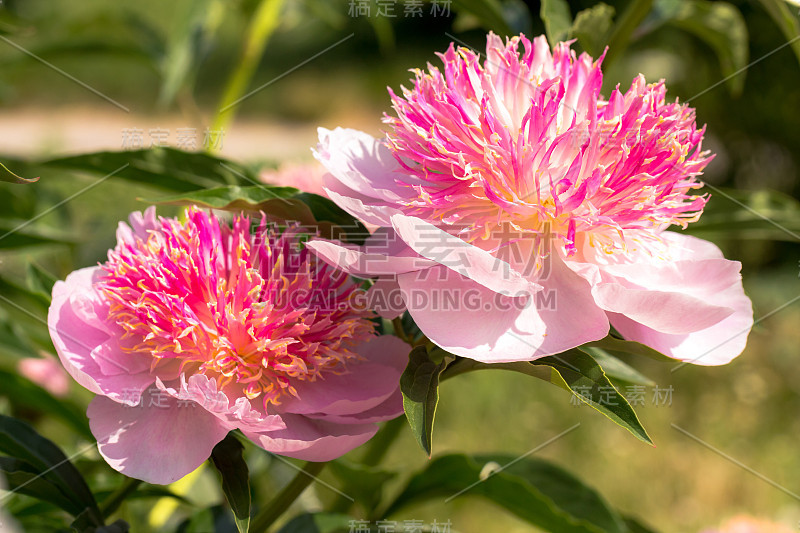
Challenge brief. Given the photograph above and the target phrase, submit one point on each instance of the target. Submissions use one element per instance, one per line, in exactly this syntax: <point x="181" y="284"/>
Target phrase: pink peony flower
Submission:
<point x="522" y="213"/>
<point x="192" y="329"/>
<point x="46" y="372"/>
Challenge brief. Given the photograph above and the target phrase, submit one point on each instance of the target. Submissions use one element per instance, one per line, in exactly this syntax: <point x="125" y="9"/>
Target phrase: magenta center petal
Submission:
<point x="255" y="311"/>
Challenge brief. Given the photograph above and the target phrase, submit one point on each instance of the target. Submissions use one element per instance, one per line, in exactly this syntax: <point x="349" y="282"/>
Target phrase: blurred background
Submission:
<point x="104" y="76"/>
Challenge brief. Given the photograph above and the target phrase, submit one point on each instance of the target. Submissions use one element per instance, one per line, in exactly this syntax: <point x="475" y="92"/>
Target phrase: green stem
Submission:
<point x="116" y="498"/>
<point x="264" y="21"/>
<point x="285" y="497"/>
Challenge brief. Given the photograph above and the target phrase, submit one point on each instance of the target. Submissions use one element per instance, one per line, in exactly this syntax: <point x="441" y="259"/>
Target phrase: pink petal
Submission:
<point x="360" y="162"/>
<point x="472" y="321"/>
<point x="715" y="345"/>
<point x="237" y="414"/>
<point x="389" y="409"/>
<point x="76" y="340"/>
<point x="386" y="298"/>
<point x="454" y="253"/>
<point x="367" y="261"/>
<point x="155" y="444"/>
<point x="653" y="288"/>
<point x="364" y="385"/>
<point x="313" y="440"/>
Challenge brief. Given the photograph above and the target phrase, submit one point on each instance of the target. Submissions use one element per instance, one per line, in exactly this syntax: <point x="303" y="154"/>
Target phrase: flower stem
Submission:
<point x="117" y="498"/>
<point x="285" y="497"/>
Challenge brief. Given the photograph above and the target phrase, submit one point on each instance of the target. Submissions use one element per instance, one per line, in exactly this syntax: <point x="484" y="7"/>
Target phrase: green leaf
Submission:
<point x="616" y="368"/>
<point x="8" y="176"/>
<point x="722" y="26"/>
<point x="23" y="394"/>
<point x="577" y="372"/>
<point x="318" y="523"/>
<point x="165" y="168"/>
<point x="592" y="28"/>
<point x="279" y="203"/>
<point x="227" y="458"/>
<point x="21" y="441"/>
<point x="534" y="490"/>
<point x="230" y="198"/>
<point x="788" y="22"/>
<point x="420" y="387"/>
<point x="489" y="12"/>
<point x="364" y="483"/>
<point x="557" y="20"/>
<point x="25" y="479"/>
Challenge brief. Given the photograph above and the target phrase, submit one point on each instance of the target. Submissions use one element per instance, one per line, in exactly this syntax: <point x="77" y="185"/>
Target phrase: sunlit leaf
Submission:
<point x="557" y="20"/>
<point x="592" y="28"/>
<point x="420" y="387"/>
<point x="8" y="176"/>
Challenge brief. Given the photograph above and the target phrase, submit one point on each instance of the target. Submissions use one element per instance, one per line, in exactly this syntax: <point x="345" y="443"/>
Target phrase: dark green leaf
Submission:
<point x="557" y="20"/>
<point x="420" y="387"/>
<point x="592" y="27"/>
<point x="8" y="176"/>
<point x="165" y="168"/>
<point x="534" y="490"/>
<point x="318" y="523"/>
<point x="227" y="458"/>
<point x="21" y="441"/>
<point x="25" y="479"/>
<point x="232" y="198"/>
<point x="279" y="203"/>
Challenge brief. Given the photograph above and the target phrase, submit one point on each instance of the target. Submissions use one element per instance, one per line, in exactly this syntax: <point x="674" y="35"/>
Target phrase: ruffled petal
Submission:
<point x="313" y="440"/>
<point x="159" y="442"/>
<point x="364" y="385"/>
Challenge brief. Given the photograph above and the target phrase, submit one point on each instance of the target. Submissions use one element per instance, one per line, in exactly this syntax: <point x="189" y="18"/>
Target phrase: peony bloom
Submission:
<point x="523" y="213"/>
<point x="193" y="329"/>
